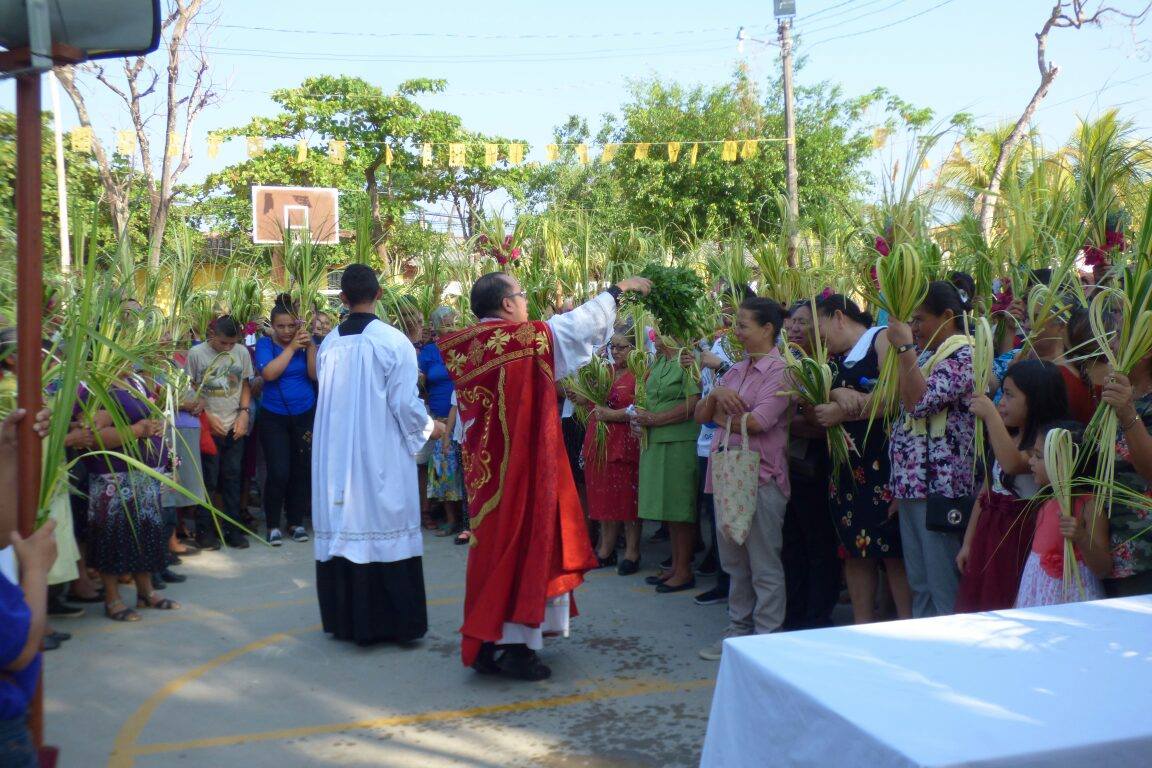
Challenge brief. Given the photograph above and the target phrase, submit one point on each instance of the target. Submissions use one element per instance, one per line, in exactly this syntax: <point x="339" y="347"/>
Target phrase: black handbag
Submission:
<point x="944" y="514"/>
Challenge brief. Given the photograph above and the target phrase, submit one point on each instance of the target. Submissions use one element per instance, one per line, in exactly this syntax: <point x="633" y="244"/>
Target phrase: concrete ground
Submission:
<point x="243" y="676"/>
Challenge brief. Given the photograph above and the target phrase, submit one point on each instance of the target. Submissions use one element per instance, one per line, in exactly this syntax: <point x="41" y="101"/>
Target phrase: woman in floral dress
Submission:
<point x="935" y="431"/>
<point x="860" y="498"/>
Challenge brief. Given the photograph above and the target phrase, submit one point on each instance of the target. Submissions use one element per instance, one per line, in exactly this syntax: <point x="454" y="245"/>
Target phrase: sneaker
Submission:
<point x="708" y="567"/>
<point x="713" y="652"/>
<point x="275" y="538"/>
<point x="299" y="534"/>
<point x="714" y="596"/>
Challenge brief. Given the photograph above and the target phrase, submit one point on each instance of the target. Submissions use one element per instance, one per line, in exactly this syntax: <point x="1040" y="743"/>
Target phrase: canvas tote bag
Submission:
<point x="735" y="479"/>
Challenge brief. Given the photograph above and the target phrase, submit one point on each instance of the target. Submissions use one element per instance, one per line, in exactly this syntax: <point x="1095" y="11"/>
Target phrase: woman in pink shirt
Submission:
<point x="756" y="598"/>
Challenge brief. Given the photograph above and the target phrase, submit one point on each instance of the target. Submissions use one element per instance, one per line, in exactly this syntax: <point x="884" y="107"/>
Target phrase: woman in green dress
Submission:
<point x="668" y="464"/>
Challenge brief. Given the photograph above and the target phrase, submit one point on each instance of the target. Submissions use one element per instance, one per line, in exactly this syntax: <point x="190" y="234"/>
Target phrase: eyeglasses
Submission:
<point x="619" y="347"/>
<point x="521" y="294"/>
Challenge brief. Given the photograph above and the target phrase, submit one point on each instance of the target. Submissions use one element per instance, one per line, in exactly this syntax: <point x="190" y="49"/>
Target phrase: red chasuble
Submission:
<point x="529" y="540"/>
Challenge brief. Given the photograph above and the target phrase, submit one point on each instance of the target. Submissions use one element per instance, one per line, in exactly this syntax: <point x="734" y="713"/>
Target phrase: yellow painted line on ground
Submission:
<point x="550" y="702"/>
<point x="125" y="749"/>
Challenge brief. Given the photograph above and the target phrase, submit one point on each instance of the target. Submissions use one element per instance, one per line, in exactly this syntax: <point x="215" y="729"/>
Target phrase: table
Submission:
<point x="1062" y="685"/>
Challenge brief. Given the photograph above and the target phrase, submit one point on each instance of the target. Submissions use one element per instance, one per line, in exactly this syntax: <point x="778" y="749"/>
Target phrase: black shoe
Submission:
<point x="237" y="541"/>
<point x="708" y="567"/>
<point x="174" y="559"/>
<point x="58" y="609"/>
<point x="628" y="567"/>
<point x="207" y="543"/>
<point x="158" y="581"/>
<point x="606" y="561"/>
<point x="713" y="596"/>
<point x="521" y="663"/>
<point x="49" y="643"/>
<point x="60" y="637"/>
<point x="666" y="563"/>
<point x="173" y="578"/>
<point x="666" y="588"/>
<point x="485" y="662"/>
<point x="654" y="580"/>
<point x="660" y="535"/>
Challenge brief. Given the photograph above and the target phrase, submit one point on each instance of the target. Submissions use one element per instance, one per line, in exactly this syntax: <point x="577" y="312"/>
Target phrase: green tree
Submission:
<point x="376" y="126"/>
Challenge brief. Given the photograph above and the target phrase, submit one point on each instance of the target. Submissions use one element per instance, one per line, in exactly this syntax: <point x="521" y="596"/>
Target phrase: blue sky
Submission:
<point x="519" y="68"/>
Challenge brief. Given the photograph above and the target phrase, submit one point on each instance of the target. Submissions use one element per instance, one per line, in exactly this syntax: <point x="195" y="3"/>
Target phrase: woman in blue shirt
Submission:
<point x="445" y="480"/>
<point x="286" y="361"/>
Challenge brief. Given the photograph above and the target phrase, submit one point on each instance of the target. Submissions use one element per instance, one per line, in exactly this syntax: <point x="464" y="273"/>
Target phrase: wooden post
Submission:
<point x="29" y="307"/>
<point x="785" y="30"/>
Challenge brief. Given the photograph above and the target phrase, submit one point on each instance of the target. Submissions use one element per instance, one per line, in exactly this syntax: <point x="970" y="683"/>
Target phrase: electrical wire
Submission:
<point x="882" y="27"/>
<point x="842" y="22"/>
<point x="473" y="36"/>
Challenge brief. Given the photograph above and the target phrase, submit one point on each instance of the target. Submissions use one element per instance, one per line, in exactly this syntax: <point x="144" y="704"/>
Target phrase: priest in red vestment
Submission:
<point x="530" y="545"/>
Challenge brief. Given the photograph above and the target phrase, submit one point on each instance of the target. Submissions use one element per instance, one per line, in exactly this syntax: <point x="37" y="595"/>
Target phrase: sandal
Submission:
<point x="464" y="537"/>
<point x="124" y="614"/>
<point x="163" y="604"/>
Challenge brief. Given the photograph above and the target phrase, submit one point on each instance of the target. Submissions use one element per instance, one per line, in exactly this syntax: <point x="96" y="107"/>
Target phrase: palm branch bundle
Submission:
<point x="1132" y="344"/>
<point x="306" y="269"/>
<point x="900" y="288"/>
<point x="1060" y="460"/>
<point x="674" y="302"/>
<point x="593" y="382"/>
<point x="811" y="378"/>
<point x="983" y="355"/>
<point x="244" y="295"/>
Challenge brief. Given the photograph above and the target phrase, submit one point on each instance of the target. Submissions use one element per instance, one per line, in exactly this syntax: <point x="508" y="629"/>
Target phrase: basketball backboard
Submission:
<point x="277" y="210"/>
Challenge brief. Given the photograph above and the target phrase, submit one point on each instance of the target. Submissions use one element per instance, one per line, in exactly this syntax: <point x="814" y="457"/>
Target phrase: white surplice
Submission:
<point x="370" y="423"/>
<point x="576" y="336"/>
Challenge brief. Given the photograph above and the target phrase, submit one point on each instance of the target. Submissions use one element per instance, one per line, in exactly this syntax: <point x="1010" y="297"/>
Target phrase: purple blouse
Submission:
<point x="951" y="455"/>
<point x="151" y="451"/>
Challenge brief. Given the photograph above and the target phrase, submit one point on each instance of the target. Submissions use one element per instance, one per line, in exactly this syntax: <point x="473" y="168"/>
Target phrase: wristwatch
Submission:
<point x="615" y="292"/>
<point x="905" y="348"/>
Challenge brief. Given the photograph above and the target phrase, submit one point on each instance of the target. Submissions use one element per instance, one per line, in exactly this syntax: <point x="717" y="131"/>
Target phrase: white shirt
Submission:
<point x="370" y="424"/>
<point x="708" y="379"/>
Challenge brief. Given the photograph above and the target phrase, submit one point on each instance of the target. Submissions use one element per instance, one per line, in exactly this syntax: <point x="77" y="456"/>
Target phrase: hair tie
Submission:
<point x="963" y="295"/>
<point x="826" y="293"/>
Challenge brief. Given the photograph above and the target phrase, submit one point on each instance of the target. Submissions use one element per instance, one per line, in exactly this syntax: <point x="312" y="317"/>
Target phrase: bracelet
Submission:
<point x="1130" y="424"/>
<point x="905" y="348"/>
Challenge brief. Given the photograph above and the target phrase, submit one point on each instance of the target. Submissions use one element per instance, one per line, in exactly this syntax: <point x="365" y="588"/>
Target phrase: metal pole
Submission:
<point x="29" y="306"/>
<point x="61" y="176"/>
<point x="785" y="30"/>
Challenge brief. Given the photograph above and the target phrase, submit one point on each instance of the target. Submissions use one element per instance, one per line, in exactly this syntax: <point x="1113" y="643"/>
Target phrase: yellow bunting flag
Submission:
<point x="748" y="149"/>
<point x="301" y="151"/>
<point x="81" y="139"/>
<point x="728" y="152"/>
<point x="255" y="146"/>
<point x="553" y="152"/>
<point x="426" y="154"/>
<point x="673" y="151"/>
<point x="582" y="153"/>
<point x="126" y="143"/>
<point x="175" y="144"/>
<point x="337" y="151"/>
<point x="214" y="143"/>
<point x="609" y="152"/>
<point x="491" y="154"/>
<point x="457" y="155"/>
<point x="387" y="155"/>
<point x="515" y="154"/>
<point x="642" y="151"/>
<point x="692" y="154"/>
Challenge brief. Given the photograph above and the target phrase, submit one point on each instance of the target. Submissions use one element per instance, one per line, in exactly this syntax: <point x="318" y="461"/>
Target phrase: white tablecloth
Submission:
<point x="1067" y="685"/>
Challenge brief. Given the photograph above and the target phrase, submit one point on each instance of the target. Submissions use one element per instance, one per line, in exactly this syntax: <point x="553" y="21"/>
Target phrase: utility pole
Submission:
<point x="784" y="11"/>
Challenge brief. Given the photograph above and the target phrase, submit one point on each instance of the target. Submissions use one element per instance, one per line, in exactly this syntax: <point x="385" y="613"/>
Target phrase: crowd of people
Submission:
<point x="863" y="532"/>
<point x="255" y="397"/>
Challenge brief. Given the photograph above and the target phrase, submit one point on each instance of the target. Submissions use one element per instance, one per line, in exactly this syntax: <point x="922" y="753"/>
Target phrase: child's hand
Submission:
<point x="1074" y="529"/>
<point x="983" y="408"/>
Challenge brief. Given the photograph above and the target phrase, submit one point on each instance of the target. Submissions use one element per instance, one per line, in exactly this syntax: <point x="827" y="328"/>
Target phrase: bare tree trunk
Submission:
<point x="1068" y="14"/>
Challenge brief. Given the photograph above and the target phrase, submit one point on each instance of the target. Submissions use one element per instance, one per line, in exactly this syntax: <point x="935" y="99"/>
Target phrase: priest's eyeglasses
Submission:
<point x="521" y="294"/>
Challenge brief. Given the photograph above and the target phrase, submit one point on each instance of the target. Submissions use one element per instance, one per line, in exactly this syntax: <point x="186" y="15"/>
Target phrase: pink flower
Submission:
<point x="881" y="246"/>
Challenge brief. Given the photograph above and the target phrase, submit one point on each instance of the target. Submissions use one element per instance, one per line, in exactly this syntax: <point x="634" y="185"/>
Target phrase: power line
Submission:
<point x="842" y="22"/>
<point x="884" y="26"/>
<point x="472" y="36"/>
<point x="463" y="59"/>
<point x="855" y="7"/>
<point x="826" y="10"/>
